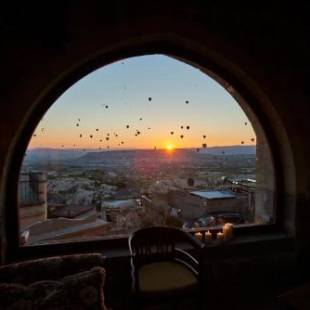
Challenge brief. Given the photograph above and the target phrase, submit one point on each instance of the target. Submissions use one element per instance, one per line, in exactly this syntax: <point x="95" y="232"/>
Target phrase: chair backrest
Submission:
<point x="154" y="243"/>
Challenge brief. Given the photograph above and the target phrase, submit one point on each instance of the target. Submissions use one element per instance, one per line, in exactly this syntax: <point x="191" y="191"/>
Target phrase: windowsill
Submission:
<point x="238" y="246"/>
<point x="252" y="245"/>
<point x="255" y="240"/>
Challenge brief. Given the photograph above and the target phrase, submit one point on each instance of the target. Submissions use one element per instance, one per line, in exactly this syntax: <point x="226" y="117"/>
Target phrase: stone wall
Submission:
<point x="31" y="214"/>
<point x="32" y="198"/>
<point x="260" y="49"/>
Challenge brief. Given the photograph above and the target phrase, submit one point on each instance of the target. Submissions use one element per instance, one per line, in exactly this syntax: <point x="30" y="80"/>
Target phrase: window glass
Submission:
<point x="144" y="141"/>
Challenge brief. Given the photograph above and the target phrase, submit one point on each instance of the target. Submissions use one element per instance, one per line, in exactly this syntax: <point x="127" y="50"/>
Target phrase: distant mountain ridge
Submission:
<point x="49" y="154"/>
<point x="232" y="150"/>
<point x="78" y="156"/>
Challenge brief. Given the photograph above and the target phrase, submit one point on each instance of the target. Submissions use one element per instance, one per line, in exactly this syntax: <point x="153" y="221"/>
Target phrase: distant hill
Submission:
<point x="232" y="150"/>
<point x="51" y="155"/>
<point x="45" y="155"/>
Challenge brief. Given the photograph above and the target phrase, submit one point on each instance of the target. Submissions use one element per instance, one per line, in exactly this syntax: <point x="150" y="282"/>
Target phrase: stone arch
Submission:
<point x="212" y="62"/>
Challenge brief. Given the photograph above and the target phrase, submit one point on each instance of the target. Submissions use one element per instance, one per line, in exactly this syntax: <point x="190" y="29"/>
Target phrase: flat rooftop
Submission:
<point x="214" y="194"/>
<point x="119" y="203"/>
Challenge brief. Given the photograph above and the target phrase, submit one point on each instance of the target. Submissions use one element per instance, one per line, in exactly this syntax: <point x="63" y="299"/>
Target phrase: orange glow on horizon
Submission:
<point x="67" y="141"/>
<point x="169" y="147"/>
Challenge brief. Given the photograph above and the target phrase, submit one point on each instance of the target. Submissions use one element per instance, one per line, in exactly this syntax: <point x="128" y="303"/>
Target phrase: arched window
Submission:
<point x="147" y="140"/>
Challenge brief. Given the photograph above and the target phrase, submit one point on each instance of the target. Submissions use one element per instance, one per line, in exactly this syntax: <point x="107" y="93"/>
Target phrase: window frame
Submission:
<point x="208" y="64"/>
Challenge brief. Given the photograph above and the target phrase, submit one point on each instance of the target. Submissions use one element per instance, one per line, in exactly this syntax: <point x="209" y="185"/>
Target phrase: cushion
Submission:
<point x="83" y="290"/>
<point x="52" y="268"/>
<point x="17" y="296"/>
<point x="163" y="277"/>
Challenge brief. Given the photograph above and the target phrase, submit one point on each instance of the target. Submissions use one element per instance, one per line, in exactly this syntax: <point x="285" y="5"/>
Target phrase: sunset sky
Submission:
<point x="125" y="88"/>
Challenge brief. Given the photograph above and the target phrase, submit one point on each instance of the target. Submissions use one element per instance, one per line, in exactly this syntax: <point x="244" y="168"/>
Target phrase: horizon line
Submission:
<point x="139" y="149"/>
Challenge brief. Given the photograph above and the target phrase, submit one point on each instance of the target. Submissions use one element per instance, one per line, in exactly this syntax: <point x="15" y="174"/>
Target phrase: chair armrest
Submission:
<point x="187" y="259"/>
<point x="134" y="275"/>
<point x="197" y="245"/>
<point x="187" y="256"/>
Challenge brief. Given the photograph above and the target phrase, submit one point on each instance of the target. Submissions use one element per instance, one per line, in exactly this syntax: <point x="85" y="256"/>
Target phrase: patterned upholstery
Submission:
<point x="51" y="268"/>
<point x="71" y="282"/>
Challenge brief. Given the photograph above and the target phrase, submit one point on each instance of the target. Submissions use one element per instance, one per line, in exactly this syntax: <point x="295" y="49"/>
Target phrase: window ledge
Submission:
<point x="239" y="246"/>
<point x="252" y="245"/>
<point x="243" y="244"/>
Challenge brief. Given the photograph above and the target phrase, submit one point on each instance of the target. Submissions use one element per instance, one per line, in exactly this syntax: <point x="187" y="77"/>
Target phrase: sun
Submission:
<point x="169" y="147"/>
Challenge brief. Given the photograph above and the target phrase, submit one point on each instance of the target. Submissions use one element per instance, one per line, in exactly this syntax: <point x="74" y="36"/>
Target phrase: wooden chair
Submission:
<point x="161" y="271"/>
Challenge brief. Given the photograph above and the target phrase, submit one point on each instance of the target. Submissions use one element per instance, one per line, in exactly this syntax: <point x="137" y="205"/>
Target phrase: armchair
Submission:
<point x="62" y="282"/>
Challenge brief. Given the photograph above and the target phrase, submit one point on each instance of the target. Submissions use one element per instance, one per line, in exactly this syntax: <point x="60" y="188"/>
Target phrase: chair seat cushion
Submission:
<point x="166" y="277"/>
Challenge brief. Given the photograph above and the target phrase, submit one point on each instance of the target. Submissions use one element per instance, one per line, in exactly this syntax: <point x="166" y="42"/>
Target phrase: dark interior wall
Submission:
<point x="262" y="49"/>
